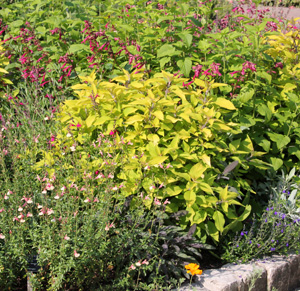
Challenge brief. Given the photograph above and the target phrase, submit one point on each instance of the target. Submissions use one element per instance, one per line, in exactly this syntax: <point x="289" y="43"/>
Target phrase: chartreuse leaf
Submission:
<point x="190" y="198"/>
<point x="197" y="171"/>
<point x="157" y="160"/>
<point x="90" y="120"/>
<point x="219" y="220"/>
<point x="224" y="103"/>
<point x="173" y="190"/>
<point x="200" y="216"/>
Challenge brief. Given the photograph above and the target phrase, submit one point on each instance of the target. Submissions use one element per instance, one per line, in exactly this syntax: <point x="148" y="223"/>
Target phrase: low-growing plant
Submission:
<point x="276" y="231"/>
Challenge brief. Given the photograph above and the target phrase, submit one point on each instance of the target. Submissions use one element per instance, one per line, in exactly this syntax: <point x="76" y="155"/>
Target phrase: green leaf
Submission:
<point x="212" y="230"/>
<point x="186" y="38"/>
<point x="264" y="110"/>
<point x="78" y="47"/>
<point x="16" y="23"/>
<point x="185" y="66"/>
<point x="165" y="50"/>
<point x="264" y="143"/>
<point x="126" y="27"/>
<point x="280" y="139"/>
<point x="265" y="76"/>
<point x="245" y="214"/>
<point x="219" y="220"/>
<point x="276" y="163"/>
<point x="246" y="94"/>
<point x="163" y="61"/>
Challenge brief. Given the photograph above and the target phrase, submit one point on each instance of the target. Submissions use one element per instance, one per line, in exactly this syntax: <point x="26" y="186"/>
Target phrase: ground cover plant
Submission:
<point x="136" y="137"/>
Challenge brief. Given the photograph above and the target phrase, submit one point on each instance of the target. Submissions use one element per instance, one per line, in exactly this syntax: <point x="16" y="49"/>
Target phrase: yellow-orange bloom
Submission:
<point x="193" y="269"/>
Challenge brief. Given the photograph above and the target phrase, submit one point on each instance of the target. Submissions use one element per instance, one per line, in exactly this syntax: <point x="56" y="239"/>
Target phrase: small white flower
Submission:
<point x="66" y="237"/>
<point x="138" y="264"/>
<point x="72" y="148"/>
<point x="69" y="134"/>
<point x="2" y="236"/>
<point x="20" y="208"/>
<point x="115" y="188"/>
<point x="29" y="201"/>
<point x="56" y="197"/>
<point x="44" y="191"/>
<point x="147" y="168"/>
<point x="22" y="220"/>
<point x="46" y="118"/>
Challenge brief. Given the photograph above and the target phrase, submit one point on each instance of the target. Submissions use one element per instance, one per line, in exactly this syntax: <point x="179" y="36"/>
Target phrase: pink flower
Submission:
<point x="29" y="214"/>
<point x="66" y="237"/>
<point x="132" y="267"/>
<point x="50" y="211"/>
<point x="145" y="262"/>
<point x="76" y="255"/>
<point x="49" y="187"/>
<point x="36" y="141"/>
<point x="156" y="201"/>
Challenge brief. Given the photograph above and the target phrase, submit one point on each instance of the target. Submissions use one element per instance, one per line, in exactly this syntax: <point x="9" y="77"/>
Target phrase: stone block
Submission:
<point x="278" y="272"/>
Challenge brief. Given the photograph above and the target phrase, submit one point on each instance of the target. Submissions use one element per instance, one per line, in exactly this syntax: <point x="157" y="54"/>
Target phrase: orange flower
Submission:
<point x="193" y="269"/>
